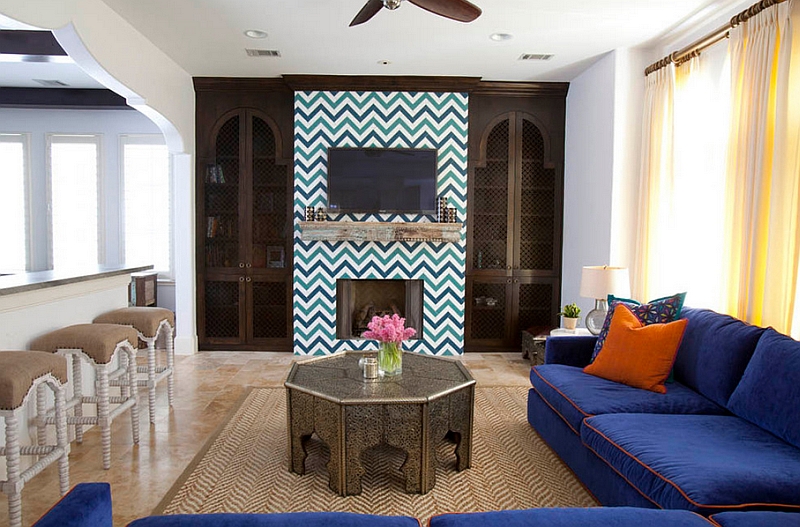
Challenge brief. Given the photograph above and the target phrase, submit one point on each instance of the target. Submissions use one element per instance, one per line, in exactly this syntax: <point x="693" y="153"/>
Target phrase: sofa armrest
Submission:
<point x="86" y="505"/>
<point x="571" y="351"/>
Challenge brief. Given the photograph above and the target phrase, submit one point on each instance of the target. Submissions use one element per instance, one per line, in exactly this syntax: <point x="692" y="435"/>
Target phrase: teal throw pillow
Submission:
<point x="658" y="311"/>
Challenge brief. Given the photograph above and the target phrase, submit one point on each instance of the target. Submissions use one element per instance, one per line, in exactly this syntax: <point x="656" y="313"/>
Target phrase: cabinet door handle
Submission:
<point x="241" y="265"/>
<point x="249" y="265"/>
<point x="508" y="281"/>
<point x="516" y="281"/>
<point x="509" y="267"/>
<point x="248" y="279"/>
<point x="241" y="278"/>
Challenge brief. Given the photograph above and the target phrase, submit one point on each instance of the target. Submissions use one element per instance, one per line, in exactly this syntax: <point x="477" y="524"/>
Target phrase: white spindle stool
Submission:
<point x="21" y="374"/>
<point x="150" y="323"/>
<point x="97" y="344"/>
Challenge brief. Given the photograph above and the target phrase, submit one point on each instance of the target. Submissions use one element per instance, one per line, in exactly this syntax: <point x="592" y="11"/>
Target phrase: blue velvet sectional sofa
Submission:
<point x="725" y="436"/>
<point x="89" y="505"/>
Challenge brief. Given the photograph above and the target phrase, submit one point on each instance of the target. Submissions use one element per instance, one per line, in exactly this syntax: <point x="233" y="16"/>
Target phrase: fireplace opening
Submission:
<point x="357" y="301"/>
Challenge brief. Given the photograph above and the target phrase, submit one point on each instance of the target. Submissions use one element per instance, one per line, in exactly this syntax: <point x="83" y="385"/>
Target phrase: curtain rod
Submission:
<point x="694" y="49"/>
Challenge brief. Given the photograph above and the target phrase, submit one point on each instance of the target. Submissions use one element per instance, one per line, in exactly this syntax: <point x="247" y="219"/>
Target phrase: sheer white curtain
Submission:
<point x="656" y="181"/>
<point x="763" y="190"/>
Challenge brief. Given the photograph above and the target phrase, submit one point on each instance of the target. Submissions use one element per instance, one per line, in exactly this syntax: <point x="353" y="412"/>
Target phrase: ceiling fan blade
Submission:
<point x="369" y="10"/>
<point x="460" y="10"/>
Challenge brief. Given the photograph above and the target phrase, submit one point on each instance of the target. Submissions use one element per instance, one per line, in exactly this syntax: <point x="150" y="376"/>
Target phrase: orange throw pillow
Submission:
<point x="638" y="355"/>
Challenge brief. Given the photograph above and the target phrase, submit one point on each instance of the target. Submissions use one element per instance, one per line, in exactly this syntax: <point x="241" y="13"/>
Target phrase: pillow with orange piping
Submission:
<point x="638" y="355"/>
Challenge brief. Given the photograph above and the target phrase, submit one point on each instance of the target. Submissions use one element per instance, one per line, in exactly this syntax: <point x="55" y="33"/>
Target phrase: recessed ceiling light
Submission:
<point x="255" y="33"/>
<point x="500" y="37"/>
<point x="384" y="62"/>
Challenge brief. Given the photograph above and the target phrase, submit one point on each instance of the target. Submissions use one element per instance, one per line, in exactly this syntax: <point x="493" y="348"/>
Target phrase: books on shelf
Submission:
<point x="217" y="226"/>
<point x="214" y="174"/>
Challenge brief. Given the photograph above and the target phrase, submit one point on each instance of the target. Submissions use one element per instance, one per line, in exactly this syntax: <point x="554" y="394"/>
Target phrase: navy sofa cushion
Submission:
<point x="756" y="519"/>
<point x="575" y="395"/>
<point x="86" y="505"/>
<point x="288" y="519"/>
<point x="769" y="392"/>
<point x="705" y="463"/>
<point x="607" y="517"/>
<point x="572" y="351"/>
<point x="714" y="353"/>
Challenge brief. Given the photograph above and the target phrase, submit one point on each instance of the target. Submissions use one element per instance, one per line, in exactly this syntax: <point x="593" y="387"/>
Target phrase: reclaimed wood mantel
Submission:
<point x="373" y="231"/>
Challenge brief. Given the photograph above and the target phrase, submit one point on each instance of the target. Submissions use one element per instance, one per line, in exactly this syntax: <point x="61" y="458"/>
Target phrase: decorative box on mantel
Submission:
<point x="374" y="231"/>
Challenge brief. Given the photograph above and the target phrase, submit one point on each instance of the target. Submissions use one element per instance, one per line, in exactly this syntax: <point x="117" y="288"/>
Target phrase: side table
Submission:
<point x="533" y="341"/>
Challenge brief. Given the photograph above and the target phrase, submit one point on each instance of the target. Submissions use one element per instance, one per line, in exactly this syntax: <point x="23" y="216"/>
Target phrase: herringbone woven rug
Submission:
<point x="244" y="468"/>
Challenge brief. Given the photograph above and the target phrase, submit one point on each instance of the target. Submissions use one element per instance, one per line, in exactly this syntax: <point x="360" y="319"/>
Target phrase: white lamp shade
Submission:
<point x="599" y="281"/>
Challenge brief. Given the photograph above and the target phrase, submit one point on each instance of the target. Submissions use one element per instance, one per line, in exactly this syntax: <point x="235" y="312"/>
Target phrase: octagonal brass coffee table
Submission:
<point x="329" y="397"/>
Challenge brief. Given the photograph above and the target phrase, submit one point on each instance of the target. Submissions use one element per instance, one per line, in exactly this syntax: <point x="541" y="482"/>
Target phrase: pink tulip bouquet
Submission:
<point x="391" y="332"/>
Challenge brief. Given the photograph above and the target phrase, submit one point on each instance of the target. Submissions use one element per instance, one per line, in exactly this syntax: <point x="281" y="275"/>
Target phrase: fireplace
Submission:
<point x="357" y="301"/>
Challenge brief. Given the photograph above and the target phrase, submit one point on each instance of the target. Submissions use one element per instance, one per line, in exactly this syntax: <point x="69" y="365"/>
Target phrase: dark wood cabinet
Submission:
<point x="515" y="215"/>
<point x="244" y="215"/>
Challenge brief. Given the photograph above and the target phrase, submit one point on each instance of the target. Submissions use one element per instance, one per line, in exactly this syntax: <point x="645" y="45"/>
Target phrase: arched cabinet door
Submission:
<point x="514" y="232"/>
<point x="244" y="234"/>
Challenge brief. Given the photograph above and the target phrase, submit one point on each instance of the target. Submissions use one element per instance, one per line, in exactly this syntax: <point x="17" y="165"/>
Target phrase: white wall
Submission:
<point x="588" y="176"/>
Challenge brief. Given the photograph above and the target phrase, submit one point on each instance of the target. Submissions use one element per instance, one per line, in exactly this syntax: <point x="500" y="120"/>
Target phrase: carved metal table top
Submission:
<point x="329" y="397"/>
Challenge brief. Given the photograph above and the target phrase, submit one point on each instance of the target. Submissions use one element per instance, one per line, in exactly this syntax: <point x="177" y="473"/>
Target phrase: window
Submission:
<point x="73" y="178"/>
<point x="13" y="202"/>
<point x="146" y="197"/>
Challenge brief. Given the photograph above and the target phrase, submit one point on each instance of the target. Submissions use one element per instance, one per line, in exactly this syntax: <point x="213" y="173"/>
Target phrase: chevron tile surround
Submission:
<point x="387" y="120"/>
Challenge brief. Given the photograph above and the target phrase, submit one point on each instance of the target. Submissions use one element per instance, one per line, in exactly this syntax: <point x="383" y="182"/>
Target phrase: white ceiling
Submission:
<point x="205" y="37"/>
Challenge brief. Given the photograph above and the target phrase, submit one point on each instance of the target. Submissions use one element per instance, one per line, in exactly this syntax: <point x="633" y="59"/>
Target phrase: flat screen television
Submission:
<point x="398" y="180"/>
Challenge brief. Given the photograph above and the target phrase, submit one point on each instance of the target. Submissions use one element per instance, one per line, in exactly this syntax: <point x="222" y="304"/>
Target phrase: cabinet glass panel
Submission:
<point x="222" y="309"/>
<point x="488" y="311"/>
<point x="535" y="305"/>
<point x="269" y="200"/>
<point x="269" y="310"/>
<point x="222" y="199"/>
<point x="490" y="203"/>
<point x="537" y="206"/>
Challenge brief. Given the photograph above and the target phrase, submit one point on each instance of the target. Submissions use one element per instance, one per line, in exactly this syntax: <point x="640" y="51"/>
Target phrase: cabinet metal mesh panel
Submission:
<point x="222" y="199"/>
<point x="269" y="200"/>
<point x="490" y="203"/>
<point x="269" y="310"/>
<point x="222" y="309"/>
<point x="537" y="202"/>
<point x="488" y="322"/>
<point x="535" y="304"/>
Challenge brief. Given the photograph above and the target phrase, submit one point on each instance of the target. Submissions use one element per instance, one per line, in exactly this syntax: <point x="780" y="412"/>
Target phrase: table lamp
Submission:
<point x="599" y="281"/>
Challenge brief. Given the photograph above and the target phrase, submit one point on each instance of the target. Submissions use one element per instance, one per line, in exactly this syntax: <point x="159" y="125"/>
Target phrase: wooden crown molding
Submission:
<point x="472" y="85"/>
<point x="380" y="83"/>
<point x="62" y="98"/>
<point x="238" y="84"/>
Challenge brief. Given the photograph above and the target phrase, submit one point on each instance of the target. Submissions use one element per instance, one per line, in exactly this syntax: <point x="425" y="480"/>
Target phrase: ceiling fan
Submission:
<point x="460" y="10"/>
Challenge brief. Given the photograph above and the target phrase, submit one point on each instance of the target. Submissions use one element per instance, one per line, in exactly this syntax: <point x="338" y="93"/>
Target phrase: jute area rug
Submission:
<point x="243" y="468"/>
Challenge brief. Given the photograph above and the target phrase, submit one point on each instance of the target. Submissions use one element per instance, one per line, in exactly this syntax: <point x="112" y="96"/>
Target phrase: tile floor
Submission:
<point x="206" y="387"/>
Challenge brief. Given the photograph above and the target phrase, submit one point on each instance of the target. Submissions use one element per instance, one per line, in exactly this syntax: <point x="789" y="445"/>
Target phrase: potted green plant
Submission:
<point x="569" y="315"/>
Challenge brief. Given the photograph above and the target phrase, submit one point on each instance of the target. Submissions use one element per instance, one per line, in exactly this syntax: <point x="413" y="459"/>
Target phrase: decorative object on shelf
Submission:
<point x="452" y="215"/>
<point x="391" y="331"/>
<point x="480" y="300"/>
<point x="321" y="215"/>
<point x="275" y="257"/>
<point x="441" y="210"/>
<point x="599" y="281"/>
<point x="310" y="214"/>
<point x="491" y="302"/>
<point x="569" y="315"/>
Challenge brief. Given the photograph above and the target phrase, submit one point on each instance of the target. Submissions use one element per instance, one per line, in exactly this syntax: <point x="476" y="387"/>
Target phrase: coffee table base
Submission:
<point x="350" y="429"/>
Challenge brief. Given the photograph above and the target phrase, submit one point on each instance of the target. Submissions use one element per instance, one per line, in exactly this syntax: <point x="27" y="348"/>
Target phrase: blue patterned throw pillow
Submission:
<point x="658" y="311"/>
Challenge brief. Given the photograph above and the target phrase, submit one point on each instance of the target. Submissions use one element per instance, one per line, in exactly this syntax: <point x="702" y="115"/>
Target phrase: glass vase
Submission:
<point x="390" y="359"/>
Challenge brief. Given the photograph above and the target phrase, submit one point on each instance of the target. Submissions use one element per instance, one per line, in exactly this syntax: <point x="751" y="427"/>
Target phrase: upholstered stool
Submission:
<point x="149" y="323"/>
<point x="98" y="344"/>
<point x="22" y="373"/>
